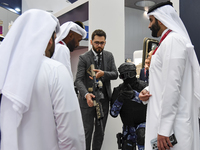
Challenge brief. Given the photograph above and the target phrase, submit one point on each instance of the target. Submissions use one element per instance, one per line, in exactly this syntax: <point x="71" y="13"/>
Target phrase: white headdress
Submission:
<point x="66" y="27"/>
<point x="168" y="16"/>
<point x="21" y="54"/>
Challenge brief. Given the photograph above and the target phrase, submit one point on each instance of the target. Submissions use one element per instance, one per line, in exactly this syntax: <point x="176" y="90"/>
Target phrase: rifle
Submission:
<point x="97" y="91"/>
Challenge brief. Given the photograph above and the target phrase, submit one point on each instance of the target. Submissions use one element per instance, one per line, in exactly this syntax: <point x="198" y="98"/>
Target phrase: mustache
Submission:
<point x="99" y="48"/>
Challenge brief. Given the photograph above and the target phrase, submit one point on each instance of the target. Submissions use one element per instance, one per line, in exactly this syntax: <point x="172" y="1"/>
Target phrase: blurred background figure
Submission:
<point x="144" y="72"/>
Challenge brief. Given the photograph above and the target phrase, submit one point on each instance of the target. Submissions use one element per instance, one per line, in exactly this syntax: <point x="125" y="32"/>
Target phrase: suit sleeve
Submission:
<point x="67" y="113"/>
<point x="140" y="74"/>
<point x="173" y="60"/>
<point x="112" y="73"/>
<point x="80" y="76"/>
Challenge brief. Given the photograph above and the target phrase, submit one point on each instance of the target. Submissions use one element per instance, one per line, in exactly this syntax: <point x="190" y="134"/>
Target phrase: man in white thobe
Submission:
<point x="39" y="108"/>
<point x="173" y="93"/>
<point x="67" y="40"/>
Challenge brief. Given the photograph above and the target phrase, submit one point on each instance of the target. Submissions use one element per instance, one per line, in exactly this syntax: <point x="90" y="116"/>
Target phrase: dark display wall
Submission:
<point x="190" y="15"/>
<point x="11" y="4"/>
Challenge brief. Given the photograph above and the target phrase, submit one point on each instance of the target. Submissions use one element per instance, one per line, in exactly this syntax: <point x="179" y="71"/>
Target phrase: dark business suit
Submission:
<point x="83" y="82"/>
<point x="144" y="77"/>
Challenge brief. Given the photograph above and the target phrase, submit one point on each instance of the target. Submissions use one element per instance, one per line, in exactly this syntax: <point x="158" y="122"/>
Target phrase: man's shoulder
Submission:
<point x="177" y="42"/>
<point x="60" y="50"/>
<point x="107" y="52"/>
<point x="51" y="63"/>
<point x="86" y="53"/>
<point x="142" y="69"/>
<point x="174" y="36"/>
<point x="59" y="46"/>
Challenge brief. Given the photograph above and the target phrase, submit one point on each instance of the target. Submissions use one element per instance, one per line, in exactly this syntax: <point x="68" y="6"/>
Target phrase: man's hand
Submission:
<point x="144" y="95"/>
<point x="126" y="93"/>
<point x="89" y="97"/>
<point x="146" y="67"/>
<point x="163" y="142"/>
<point x="99" y="73"/>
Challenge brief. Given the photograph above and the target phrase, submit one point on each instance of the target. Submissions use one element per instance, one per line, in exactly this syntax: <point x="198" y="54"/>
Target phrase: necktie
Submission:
<point x="99" y="60"/>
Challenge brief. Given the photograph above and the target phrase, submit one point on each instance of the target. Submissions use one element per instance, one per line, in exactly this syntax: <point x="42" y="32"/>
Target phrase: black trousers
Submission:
<point x="91" y="126"/>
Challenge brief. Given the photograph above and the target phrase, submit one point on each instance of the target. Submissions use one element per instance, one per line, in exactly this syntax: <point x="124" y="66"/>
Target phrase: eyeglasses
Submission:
<point x="99" y="43"/>
<point x="126" y="75"/>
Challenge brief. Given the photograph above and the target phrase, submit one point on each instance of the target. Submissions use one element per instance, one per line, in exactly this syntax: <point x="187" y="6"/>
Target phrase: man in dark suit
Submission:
<point x="144" y="72"/>
<point x="105" y="71"/>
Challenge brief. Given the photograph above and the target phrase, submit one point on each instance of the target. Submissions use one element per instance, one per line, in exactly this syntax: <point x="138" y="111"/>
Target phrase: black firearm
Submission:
<point x="97" y="91"/>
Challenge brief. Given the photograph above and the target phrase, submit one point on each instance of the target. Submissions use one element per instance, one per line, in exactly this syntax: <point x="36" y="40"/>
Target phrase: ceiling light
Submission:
<point x="145" y="3"/>
<point x="50" y="11"/>
<point x="12" y="10"/>
<point x="145" y="13"/>
<point x="17" y="9"/>
<point x="5" y="4"/>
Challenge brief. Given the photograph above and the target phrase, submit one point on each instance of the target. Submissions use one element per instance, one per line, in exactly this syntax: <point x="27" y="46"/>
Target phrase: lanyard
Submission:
<point x="163" y="37"/>
<point x="61" y="42"/>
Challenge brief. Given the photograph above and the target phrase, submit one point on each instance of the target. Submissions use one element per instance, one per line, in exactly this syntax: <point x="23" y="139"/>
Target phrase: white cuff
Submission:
<point x="85" y="95"/>
<point x="146" y="102"/>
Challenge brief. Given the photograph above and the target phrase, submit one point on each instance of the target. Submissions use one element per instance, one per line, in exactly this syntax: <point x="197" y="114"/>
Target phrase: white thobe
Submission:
<point x="53" y="121"/>
<point x="62" y="54"/>
<point x="172" y="106"/>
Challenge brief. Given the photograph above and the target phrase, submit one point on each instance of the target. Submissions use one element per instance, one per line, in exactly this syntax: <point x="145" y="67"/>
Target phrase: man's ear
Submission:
<point x="70" y="35"/>
<point x="160" y="23"/>
<point x="91" y="42"/>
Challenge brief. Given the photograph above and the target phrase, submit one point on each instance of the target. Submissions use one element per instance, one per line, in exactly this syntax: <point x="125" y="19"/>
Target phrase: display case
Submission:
<point x="148" y="45"/>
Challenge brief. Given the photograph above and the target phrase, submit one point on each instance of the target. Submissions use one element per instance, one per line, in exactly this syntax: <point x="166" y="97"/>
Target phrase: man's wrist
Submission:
<point x="147" y="88"/>
<point x="86" y="95"/>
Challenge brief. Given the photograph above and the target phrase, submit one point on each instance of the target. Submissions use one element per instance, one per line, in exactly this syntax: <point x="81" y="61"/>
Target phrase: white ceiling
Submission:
<point x="131" y="3"/>
<point x="53" y="5"/>
<point x="57" y="5"/>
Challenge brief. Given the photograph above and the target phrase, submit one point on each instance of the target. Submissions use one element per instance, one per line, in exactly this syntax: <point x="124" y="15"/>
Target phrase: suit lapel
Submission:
<point x="91" y="57"/>
<point x="104" y="61"/>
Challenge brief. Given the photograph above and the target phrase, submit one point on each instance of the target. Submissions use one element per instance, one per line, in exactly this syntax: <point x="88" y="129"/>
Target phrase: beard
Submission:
<point x="98" y="50"/>
<point x="71" y="45"/>
<point x="155" y="28"/>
